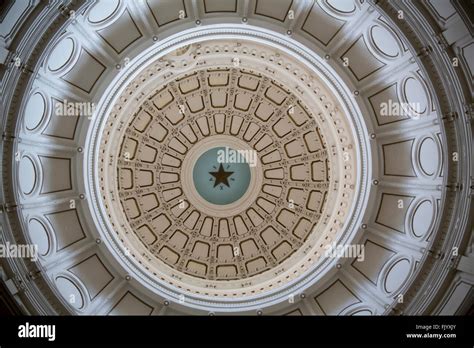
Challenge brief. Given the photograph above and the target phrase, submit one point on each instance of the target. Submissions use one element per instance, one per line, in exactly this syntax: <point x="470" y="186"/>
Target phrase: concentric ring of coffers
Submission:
<point x="246" y="238"/>
<point x="303" y="140"/>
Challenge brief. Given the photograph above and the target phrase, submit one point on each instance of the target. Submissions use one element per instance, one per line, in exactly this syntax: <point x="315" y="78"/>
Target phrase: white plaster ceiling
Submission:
<point x="397" y="169"/>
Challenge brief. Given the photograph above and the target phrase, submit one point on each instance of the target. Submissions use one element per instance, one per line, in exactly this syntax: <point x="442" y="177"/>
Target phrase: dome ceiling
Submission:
<point x="353" y="136"/>
<point x="298" y="191"/>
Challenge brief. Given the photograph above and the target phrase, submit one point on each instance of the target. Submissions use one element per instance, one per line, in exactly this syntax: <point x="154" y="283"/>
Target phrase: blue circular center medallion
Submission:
<point x="221" y="175"/>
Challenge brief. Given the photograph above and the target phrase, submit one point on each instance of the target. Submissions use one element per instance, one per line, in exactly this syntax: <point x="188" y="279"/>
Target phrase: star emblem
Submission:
<point x="221" y="176"/>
